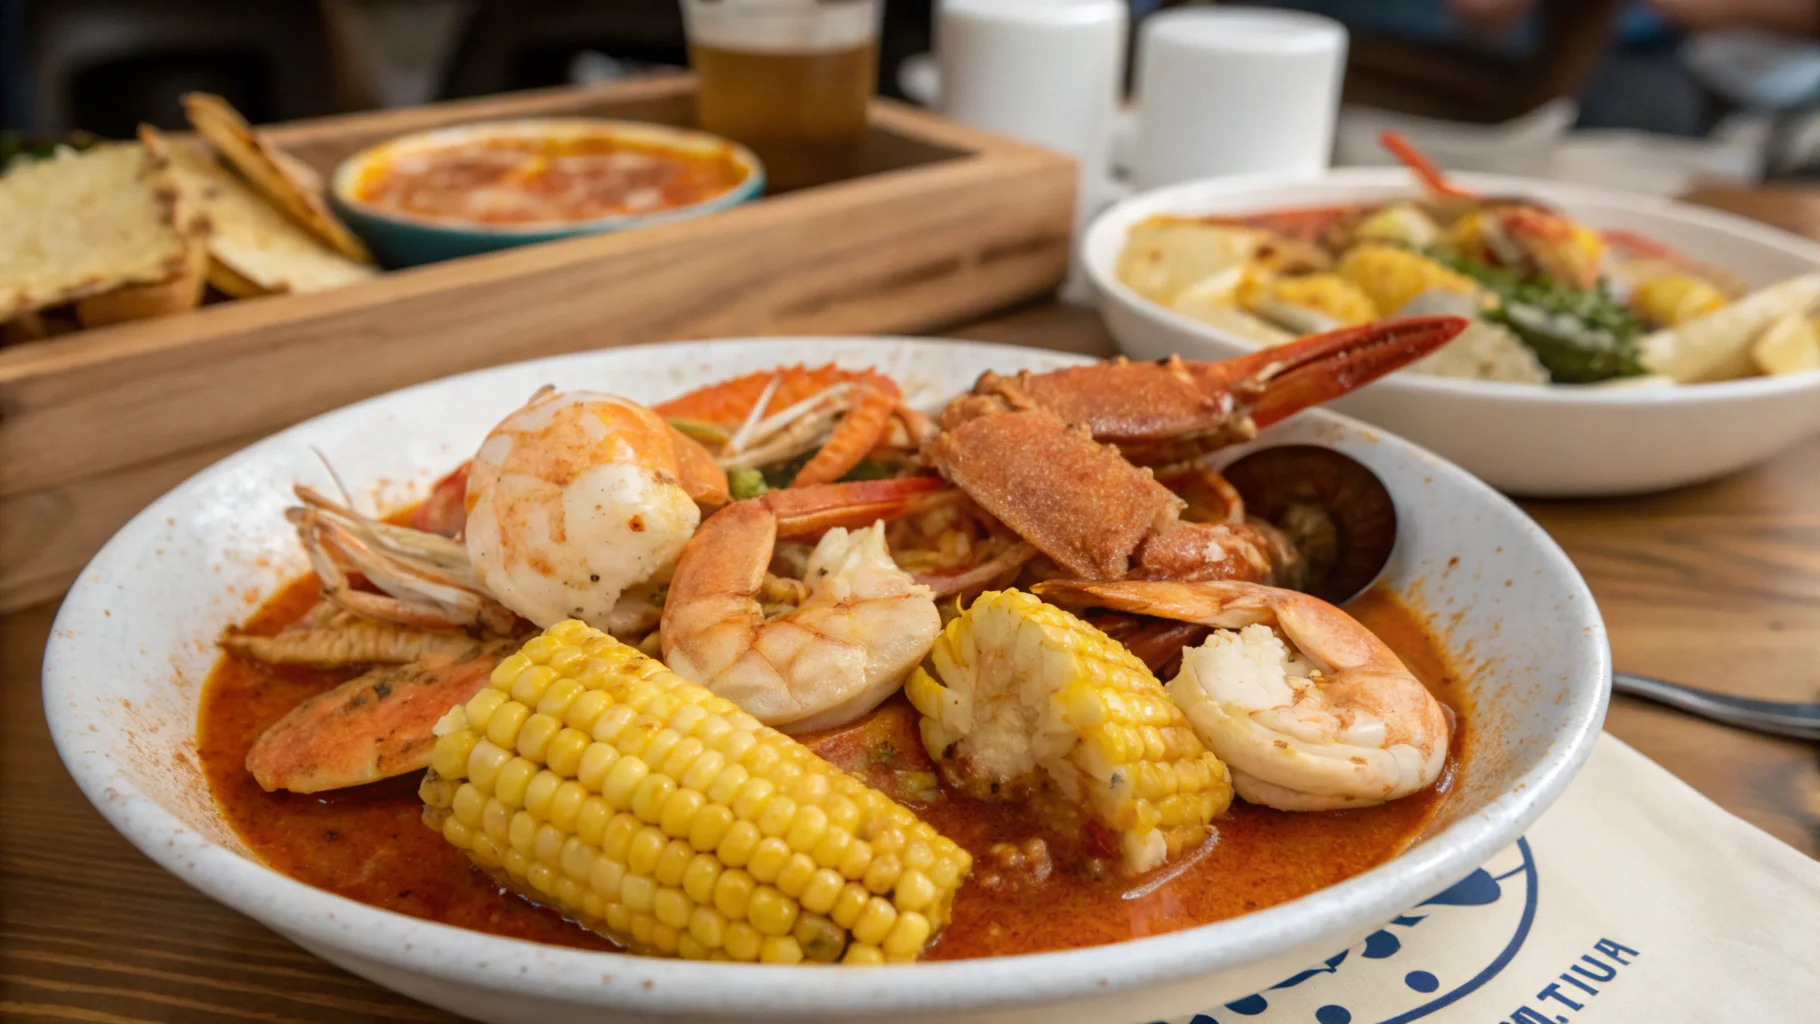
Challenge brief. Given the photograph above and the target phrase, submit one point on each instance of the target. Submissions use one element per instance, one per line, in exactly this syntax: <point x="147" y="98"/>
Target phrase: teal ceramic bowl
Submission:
<point x="402" y="239"/>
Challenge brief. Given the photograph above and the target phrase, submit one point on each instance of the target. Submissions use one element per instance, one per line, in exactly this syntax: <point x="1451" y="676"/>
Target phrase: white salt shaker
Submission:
<point x="1234" y="90"/>
<point x="1048" y="72"/>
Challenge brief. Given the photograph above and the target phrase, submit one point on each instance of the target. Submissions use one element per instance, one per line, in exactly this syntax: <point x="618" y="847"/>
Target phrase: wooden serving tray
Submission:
<point x="945" y="223"/>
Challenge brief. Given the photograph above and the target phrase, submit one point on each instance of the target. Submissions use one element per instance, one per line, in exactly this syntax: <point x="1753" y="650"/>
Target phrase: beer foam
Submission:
<point x="782" y="26"/>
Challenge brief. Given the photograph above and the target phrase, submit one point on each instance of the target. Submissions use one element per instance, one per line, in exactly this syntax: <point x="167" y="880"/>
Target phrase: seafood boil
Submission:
<point x="788" y="670"/>
<point x="1552" y="300"/>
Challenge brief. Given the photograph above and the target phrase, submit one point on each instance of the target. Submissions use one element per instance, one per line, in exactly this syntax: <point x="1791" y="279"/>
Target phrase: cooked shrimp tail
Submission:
<point x="863" y="625"/>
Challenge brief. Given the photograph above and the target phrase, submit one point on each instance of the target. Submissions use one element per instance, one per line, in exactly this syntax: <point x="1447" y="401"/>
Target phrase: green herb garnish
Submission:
<point x="779" y="475"/>
<point x="746" y="483"/>
<point x="1581" y="335"/>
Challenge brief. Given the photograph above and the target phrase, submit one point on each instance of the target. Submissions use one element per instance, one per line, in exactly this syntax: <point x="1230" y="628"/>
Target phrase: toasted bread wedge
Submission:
<point x="269" y="171"/>
<point x="84" y="224"/>
<point x="253" y="248"/>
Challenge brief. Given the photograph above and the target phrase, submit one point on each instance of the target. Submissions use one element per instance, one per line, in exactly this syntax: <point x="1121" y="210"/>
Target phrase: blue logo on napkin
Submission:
<point x="1485" y="919"/>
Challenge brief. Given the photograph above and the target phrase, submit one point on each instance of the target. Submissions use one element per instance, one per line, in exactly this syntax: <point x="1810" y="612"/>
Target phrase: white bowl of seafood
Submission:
<point x="1621" y="344"/>
<point x="833" y="678"/>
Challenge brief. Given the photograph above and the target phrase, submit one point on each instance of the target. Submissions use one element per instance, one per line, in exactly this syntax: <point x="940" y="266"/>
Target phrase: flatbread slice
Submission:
<point x="270" y="172"/>
<point x="253" y="248"/>
<point x="83" y="224"/>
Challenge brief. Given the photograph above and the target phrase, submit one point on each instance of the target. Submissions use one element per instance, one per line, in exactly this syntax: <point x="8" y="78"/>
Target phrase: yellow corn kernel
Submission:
<point x="914" y="891"/>
<point x="743" y="941"/>
<point x="621" y="781"/>
<point x="908" y="936"/>
<point x="673" y="862"/>
<point x="795" y="876"/>
<point x="774" y="820"/>
<point x="509" y="786"/>
<point x="770" y="911"/>
<point x="780" y="949"/>
<point x="861" y="955"/>
<point x="566" y="804"/>
<point x="539" y="793"/>
<point x="484" y="764"/>
<point x="875" y="922"/>
<point x="737" y="845"/>
<point x="649" y="796"/>
<point x="768" y="859"/>
<point x="733" y="893"/>
<point x="709" y="927"/>
<point x="638" y="893"/>
<point x="585" y="710"/>
<point x="528" y="688"/>
<point x="824" y="887"/>
<point x="699" y="878"/>
<point x="671" y="907"/>
<point x="565" y="751"/>
<point x="850" y="904"/>
<point x="709" y="827"/>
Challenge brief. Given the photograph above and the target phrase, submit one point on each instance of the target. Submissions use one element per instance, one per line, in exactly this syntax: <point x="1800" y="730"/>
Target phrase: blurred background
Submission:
<point x="1674" y="90"/>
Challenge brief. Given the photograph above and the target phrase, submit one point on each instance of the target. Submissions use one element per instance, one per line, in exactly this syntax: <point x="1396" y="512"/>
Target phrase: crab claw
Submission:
<point x="1282" y="380"/>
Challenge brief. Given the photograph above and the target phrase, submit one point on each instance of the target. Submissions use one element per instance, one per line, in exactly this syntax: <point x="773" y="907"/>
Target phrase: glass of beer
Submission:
<point x="788" y="78"/>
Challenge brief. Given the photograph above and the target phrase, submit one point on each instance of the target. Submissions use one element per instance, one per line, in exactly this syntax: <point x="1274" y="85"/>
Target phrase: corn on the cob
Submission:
<point x="1328" y="294"/>
<point x="1031" y="702"/>
<point x="1674" y="298"/>
<point x="1391" y="277"/>
<point x="592" y="778"/>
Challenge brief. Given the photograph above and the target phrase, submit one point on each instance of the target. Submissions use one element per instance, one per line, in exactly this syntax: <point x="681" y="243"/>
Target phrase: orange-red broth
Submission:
<point x="369" y="844"/>
<point x="525" y="181"/>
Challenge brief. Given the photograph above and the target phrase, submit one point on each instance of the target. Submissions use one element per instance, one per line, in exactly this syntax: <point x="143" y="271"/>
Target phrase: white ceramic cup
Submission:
<point x="1225" y="90"/>
<point x="1044" y="71"/>
<point x="1048" y="72"/>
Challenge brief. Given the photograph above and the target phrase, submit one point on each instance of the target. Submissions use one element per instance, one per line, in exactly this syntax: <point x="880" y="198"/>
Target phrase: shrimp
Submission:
<point x="1506" y="231"/>
<point x="859" y="630"/>
<point x="580" y="498"/>
<point x="1310" y="710"/>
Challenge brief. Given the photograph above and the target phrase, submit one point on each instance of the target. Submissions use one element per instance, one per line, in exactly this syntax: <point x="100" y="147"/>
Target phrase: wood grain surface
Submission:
<point x="1717" y="585"/>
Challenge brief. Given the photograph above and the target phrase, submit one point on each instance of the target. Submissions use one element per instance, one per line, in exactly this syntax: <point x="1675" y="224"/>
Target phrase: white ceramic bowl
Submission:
<point x="1547" y="441"/>
<point x="134" y="642"/>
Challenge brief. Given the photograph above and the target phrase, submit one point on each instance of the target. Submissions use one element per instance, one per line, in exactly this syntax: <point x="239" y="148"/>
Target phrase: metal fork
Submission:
<point x="1781" y="718"/>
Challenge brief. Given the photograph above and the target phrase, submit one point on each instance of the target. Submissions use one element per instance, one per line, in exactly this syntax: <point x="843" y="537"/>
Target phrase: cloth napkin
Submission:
<point x="1634" y="899"/>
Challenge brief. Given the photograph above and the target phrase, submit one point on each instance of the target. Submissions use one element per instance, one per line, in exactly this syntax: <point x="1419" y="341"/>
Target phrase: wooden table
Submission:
<point x="1717" y="585"/>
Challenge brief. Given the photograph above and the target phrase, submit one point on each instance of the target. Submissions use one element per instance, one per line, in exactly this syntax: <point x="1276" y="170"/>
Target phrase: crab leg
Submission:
<point x="1173" y="411"/>
<point x="808" y="511"/>
<point x="1028" y="449"/>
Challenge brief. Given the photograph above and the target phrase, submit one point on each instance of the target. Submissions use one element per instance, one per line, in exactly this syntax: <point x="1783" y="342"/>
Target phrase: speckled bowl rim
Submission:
<point x="342" y="180"/>
<point x="658" y="986"/>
